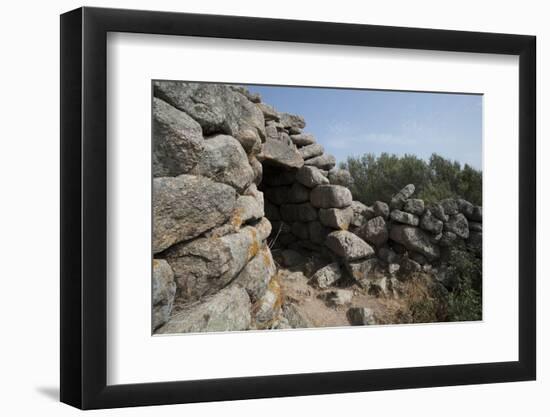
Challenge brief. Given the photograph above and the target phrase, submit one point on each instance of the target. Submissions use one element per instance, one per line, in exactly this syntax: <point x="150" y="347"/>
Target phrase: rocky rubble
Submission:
<point x="241" y="190"/>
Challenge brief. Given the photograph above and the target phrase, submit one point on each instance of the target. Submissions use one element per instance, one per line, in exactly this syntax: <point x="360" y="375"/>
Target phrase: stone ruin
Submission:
<point x="237" y="183"/>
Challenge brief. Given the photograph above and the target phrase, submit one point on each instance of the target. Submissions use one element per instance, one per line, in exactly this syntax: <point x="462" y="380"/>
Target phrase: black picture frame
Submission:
<point x="84" y="207"/>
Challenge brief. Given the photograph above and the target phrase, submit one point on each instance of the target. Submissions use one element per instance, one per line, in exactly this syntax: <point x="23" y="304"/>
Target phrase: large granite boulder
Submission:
<point x="311" y="176"/>
<point x="186" y="206"/>
<point x="281" y="153"/>
<point x="224" y="160"/>
<point x="381" y="209"/>
<point x="310" y="151"/>
<point x="327" y="276"/>
<point x="450" y="206"/>
<point x="336" y="218"/>
<point x="331" y="196"/>
<point x="292" y="121"/>
<point x="414" y="206"/>
<point x="256" y="275"/>
<point x="415" y="239"/>
<point x="228" y="310"/>
<point x="339" y="176"/>
<point x="458" y="224"/>
<point x="177" y="141"/>
<point x="404" y="217"/>
<point x="217" y="108"/>
<point x="361" y="316"/>
<point x="361" y="213"/>
<point x="374" y="231"/>
<point x="325" y="161"/>
<point x="206" y="265"/>
<point x="348" y="246"/>
<point x="164" y="290"/>
<point x="431" y="223"/>
<point x="398" y="200"/>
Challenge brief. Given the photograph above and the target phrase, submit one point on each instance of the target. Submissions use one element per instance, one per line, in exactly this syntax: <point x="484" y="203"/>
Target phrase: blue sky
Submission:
<point x="354" y="122"/>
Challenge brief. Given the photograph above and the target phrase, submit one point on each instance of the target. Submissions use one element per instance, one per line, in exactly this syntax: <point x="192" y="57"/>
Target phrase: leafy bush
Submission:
<point x="378" y="178"/>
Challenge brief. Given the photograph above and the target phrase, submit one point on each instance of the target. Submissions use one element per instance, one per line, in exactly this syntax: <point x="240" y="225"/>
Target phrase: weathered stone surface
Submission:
<point x="475" y="240"/>
<point x="361" y="213"/>
<point x="217" y="108"/>
<point x="361" y="270"/>
<point x="295" y="318"/>
<point x="477" y="214"/>
<point x="300" y="230"/>
<point x="348" y="246"/>
<point x="263" y="227"/>
<point x="415" y="239"/>
<point x="224" y="160"/>
<point x="398" y="200"/>
<point x="303" y="139"/>
<point x="336" y="218"/>
<point x="268" y="308"/>
<point x="438" y="211"/>
<point x="303" y="212"/>
<point x="327" y="276"/>
<point x="447" y="239"/>
<point x="407" y="267"/>
<point x="458" y="225"/>
<point x="381" y="209"/>
<point x="330" y="196"/>
<point x="360" y="316"/>
<point x="414" y="206"/>
<point x="374" y="231"/>
<point x="449" y="206"/>
<point x="256" y="274"/>
<point x="387" y="255"/>
<point x="324" y="161"/>
<point x="269" y="112"/>
<point x="475" y="227"/>
<point x="317" y="232"/>
<point x="339" y="176"/>
<point x="405" y="218"/>
<point x="271" y="131"/>
<point x="310" y="176"/>
<point x="164" y="290"/>
<point x="310" y="151"/>
<point x="228" y="310"/>
<point x="297" y="193"/>
<point x="247" y="208"/>
<point x="447" y="278"/>
<point x="281" y="154"/>
<point x="204" y="266"/>
<point x="431" y="223"/>
<point x="465" y="207"/>
<point x="292" y="121"/>
<point x="257" y="168"/>
<point x="338" y="297"/>
<point x="177" y="140"/>
<point x="253" y="97"/>
<point x="186" y="206"/>
<point x="292" y="258"/>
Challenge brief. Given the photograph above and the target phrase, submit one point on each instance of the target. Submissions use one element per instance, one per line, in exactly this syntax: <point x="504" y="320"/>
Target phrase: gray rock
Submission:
<point x="224" y="160"/>
<point x="292" y="121"/>
<point x="297" y="193"/>
<point x="415" y="239"/>
<point x="405" y="218"/>
<point x="465" y="207"/>
<point x="257" y="168"/>
<point x="374" y="231"/>
<point x="205" y="265"/>
<point x="217" y="108"/>
<point x="431" y="223"/>
<point x="268" y="308"/>
<point x="317" y="232"/>
<point x="263" y="228"/>
<point x="414" y="206"/>
<point x="324" y="161"/>
<point x="300" y="230"/>
<point x="281" y="154"/>
<point x="338" y="297"/>
<point x="271" y="131"/>
<point x="177" y="140"/>
<point x="292" y="258"/>
<point x="449" y="206"/>
<point x="303" y="212"/>
<point x="477" y="214"/>
<point x="418" y="258"/>
<point x="310" y="151"/>
<point x="253" y="97"/>
<point x="256" y="274"/>
<point x="475" y="227"/>
<point x="361" y="213"/>
<point x="330" y="196"/>
<point x="398" y="200"/>
<point x="361" y="270"/>
<point x="247" y="208"/>
<point x="269" y="112"/>
<point x="475" y="240"/>
<point x="164" y="290"/>
<point x="387" y="255"/>
<point x="458" y="225"/>
<point x="310" y="176"/>
<point x="381" y="209"/>
<point x="348" y="246"/>
<point x="407" y="267"/>
<point x="295" y="318"/>
<point x="448" y="239"/>
<point x="340" y="177"/>
<point x="438" y="211"/>
<point x="360" y="316"/>
<point x="186" y="206"/>
<point x="303" y="139"/>
<point x="336" y="218"/>
<point x="228" y="310"/>
<point x="327" y="276"/>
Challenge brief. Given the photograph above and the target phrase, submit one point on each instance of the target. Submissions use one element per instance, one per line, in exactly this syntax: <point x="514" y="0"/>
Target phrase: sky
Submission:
<point x="354" y="122"/>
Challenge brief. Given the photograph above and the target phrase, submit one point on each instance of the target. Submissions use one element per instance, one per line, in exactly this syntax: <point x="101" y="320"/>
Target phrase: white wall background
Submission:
<point x="29" y="225"/>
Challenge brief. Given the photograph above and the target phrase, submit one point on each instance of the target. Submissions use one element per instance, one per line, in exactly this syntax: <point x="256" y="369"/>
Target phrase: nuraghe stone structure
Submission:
<point x="235" y="181"/>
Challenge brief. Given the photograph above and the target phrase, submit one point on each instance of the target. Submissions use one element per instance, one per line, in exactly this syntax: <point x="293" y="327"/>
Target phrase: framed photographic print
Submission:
<point x="256" y="208"/>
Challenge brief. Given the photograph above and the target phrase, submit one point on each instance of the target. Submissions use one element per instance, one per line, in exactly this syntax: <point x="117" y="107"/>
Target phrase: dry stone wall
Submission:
<point x="236" y="181"/>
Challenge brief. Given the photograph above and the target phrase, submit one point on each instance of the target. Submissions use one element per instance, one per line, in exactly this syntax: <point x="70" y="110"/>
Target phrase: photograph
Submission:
<point x="293" y="207"/>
